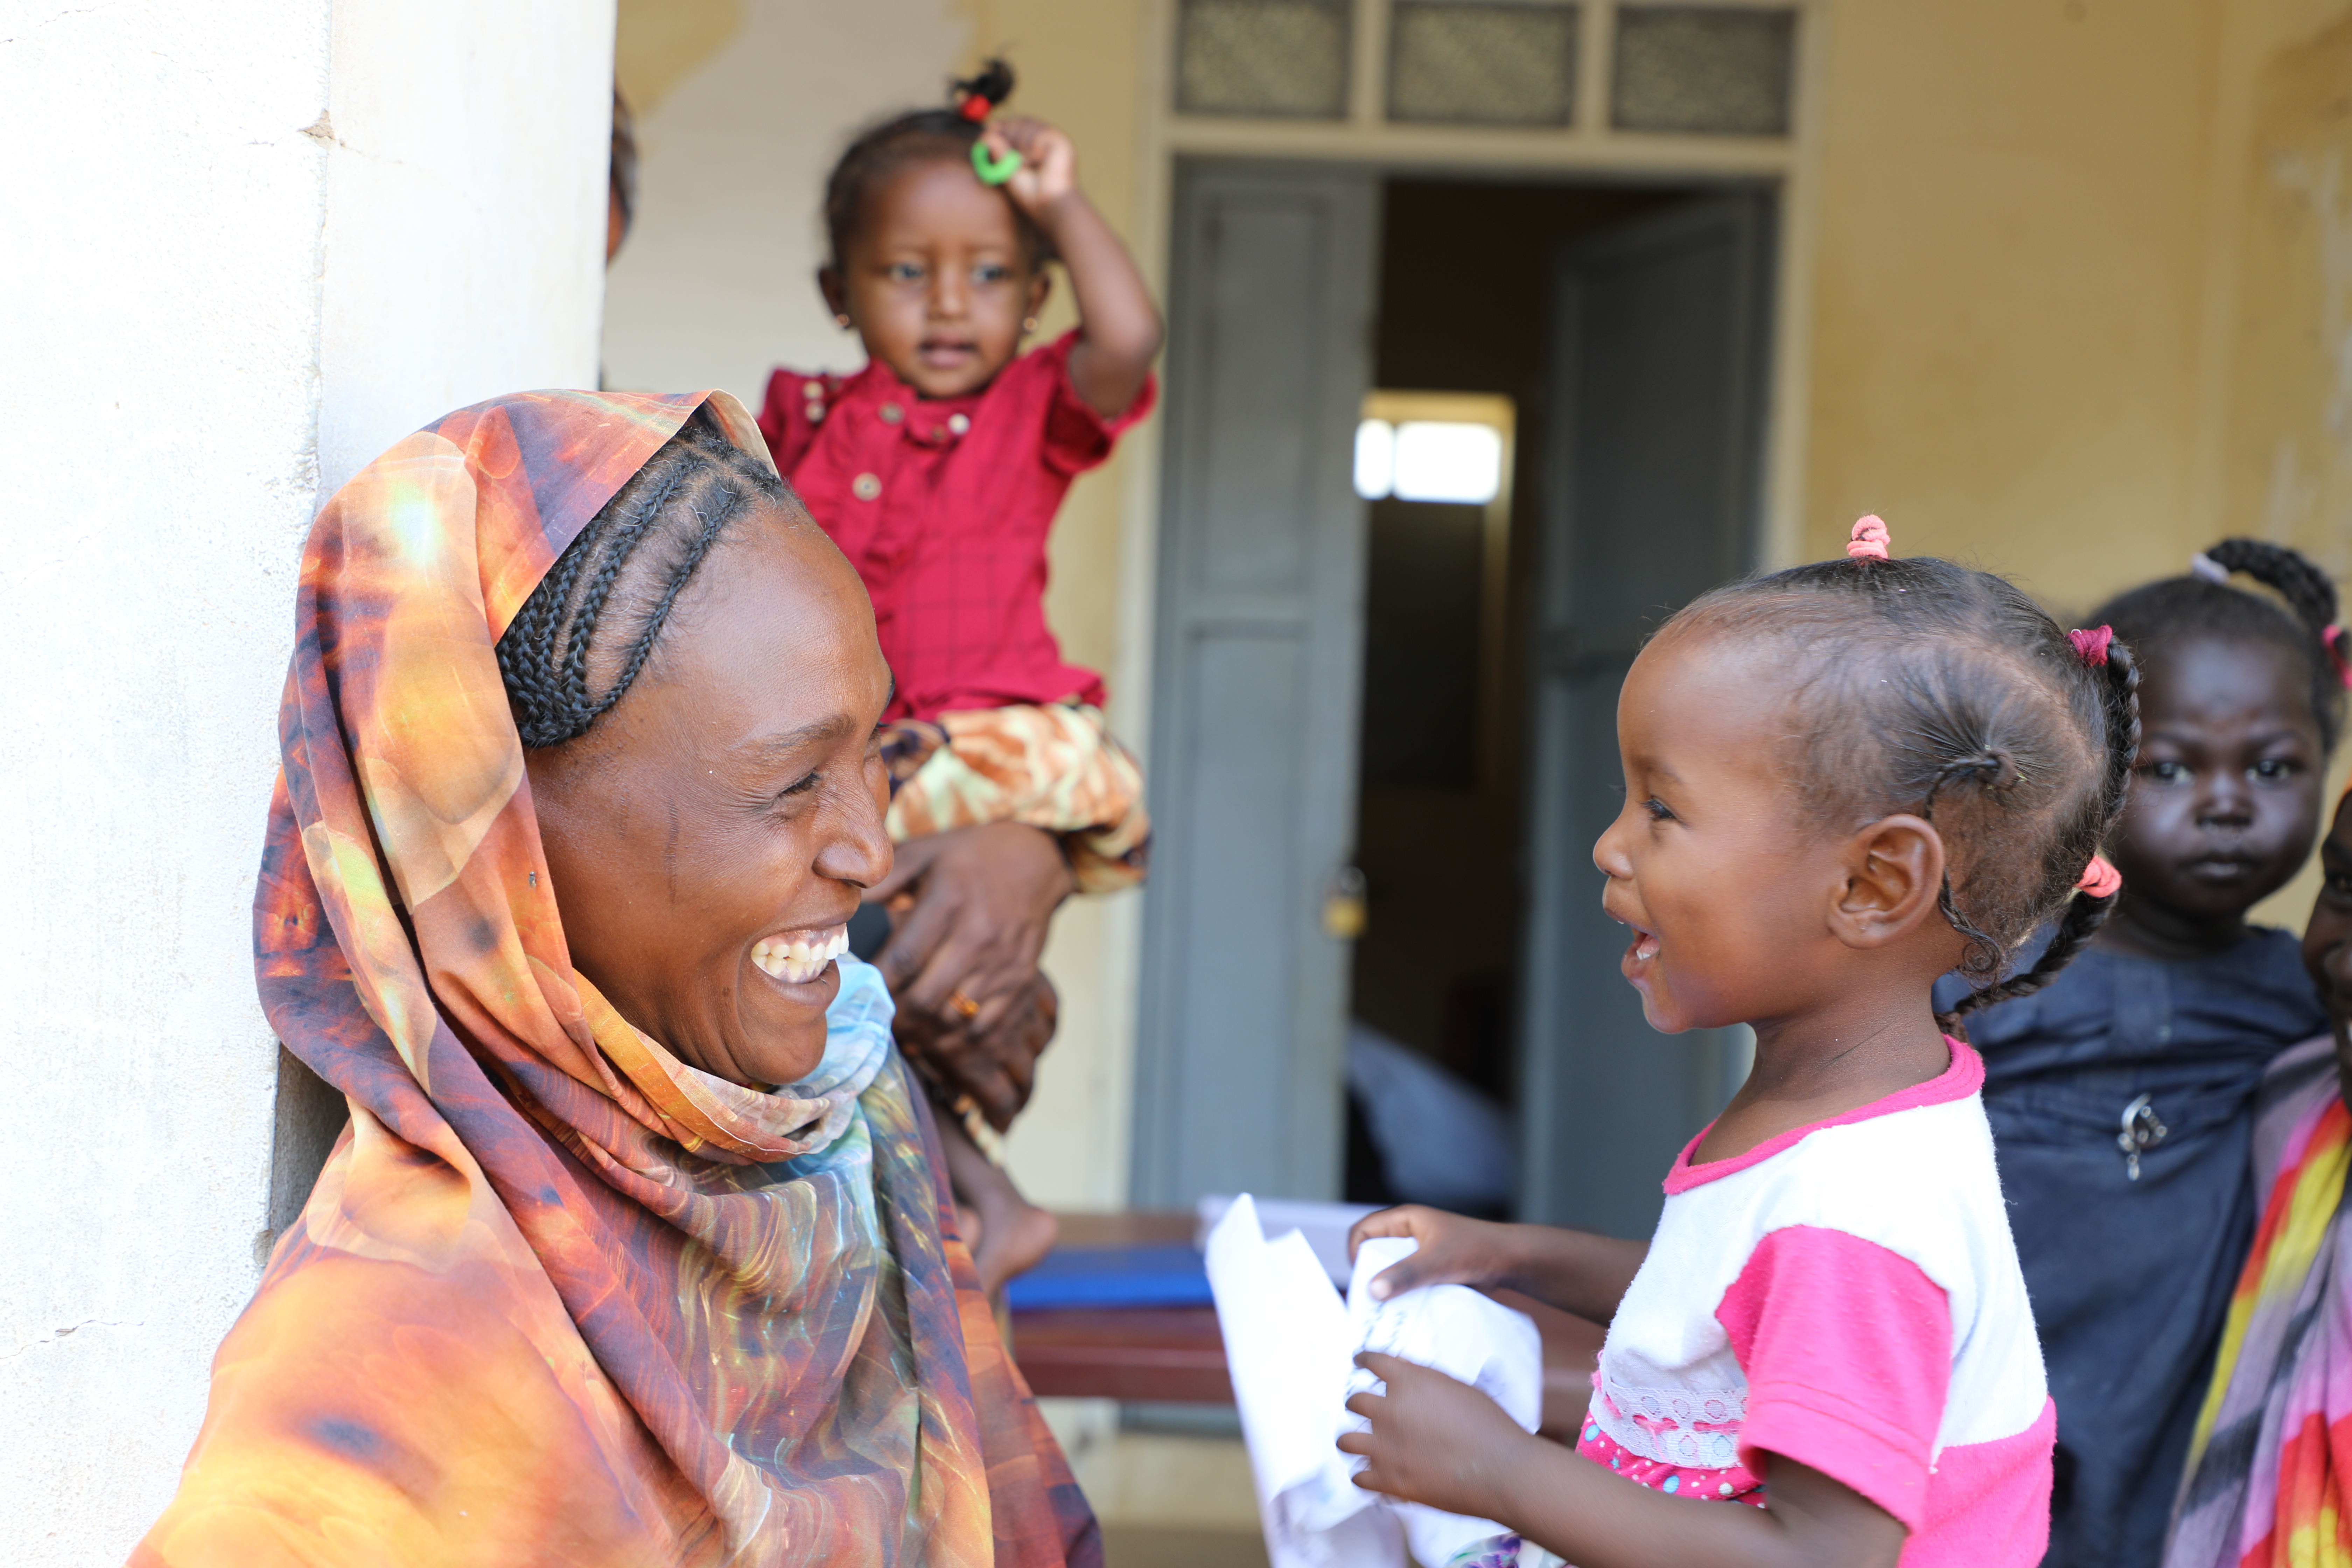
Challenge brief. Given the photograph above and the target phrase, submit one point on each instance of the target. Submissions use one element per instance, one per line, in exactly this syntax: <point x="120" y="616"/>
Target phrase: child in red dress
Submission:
<point x="938" y="470"/>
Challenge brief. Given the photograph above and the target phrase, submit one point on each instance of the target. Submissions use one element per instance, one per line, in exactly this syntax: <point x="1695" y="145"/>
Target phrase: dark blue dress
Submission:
<point x="2130" y="1276"/>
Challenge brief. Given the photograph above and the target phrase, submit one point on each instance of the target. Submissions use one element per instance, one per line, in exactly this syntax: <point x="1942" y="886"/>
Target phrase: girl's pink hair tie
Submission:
<point x="2100" y="880"/>
<point x="2092" y="645"/>
<point x="1869" y="541"/>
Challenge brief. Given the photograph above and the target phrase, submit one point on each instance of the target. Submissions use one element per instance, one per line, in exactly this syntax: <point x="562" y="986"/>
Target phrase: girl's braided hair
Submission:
<point x="615" y="584"/>
<point x="918" y="136"/>
<point x="2176" y="610"/>
<point x="1930" y="688"/>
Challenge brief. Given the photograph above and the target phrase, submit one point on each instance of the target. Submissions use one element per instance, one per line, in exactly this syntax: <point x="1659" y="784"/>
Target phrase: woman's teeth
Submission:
<point x="800" y="959"/>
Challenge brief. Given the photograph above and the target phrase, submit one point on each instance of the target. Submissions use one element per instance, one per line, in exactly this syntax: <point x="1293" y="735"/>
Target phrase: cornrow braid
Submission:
<point x="1981" y="956"/>
<point x="627" y="568"/>
<point x="2172" y="611"/>
<point x="2084" y="913"/>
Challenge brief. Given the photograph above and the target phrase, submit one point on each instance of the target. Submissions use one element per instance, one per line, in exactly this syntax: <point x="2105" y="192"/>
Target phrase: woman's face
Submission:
<point x="709" y="837"/>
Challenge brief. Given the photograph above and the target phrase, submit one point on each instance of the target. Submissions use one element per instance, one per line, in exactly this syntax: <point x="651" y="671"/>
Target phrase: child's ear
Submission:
<point x="1041" y="286"/>
<point x="1894" y="872"/>
<point x="836" y="298"/>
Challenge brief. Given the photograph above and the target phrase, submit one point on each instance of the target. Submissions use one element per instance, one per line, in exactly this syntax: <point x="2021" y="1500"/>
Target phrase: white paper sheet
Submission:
<point x="1290" y="1344"/>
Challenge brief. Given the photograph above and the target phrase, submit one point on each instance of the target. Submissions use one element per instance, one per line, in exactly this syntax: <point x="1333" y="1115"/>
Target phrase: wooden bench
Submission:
<point x="1157" y="1354"/>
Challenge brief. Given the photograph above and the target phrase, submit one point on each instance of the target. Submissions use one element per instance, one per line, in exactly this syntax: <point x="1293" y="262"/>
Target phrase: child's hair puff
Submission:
<point x="2202" y="604"/>
<point x="917" y="136"/>
<point x="1931" y="688"/>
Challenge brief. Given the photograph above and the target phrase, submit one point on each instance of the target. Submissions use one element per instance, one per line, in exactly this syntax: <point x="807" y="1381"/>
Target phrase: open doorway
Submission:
<point x="1464" y="309"/>
<point x="1382" y="734"/>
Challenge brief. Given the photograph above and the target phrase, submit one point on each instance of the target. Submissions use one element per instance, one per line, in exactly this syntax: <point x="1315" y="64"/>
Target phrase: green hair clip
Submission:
<point x="992" y="169"/>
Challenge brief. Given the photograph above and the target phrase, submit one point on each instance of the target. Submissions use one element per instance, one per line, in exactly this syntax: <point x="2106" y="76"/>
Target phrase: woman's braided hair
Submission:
<point x="2176" y="610"/>
<point x="615" y="584"/>
<point x="1928" y="688"/>
<point x="917" y="136"/>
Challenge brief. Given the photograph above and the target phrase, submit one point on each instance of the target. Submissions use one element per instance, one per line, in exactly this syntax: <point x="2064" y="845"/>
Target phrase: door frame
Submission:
<point x="1590" y="150"/>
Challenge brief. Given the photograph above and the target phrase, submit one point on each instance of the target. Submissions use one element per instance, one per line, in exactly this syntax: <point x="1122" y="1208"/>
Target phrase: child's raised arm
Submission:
<point x="1436" y="1441"/>
<point x="1119" y="326"/>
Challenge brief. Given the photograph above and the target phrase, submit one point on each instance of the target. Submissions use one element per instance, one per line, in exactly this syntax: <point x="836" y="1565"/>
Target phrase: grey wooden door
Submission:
<point x="1651" y="492"/>
<point x="1258" y="653"/>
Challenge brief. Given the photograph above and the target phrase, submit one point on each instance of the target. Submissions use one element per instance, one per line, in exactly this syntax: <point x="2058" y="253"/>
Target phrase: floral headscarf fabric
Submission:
<point x="559" y="1297"/>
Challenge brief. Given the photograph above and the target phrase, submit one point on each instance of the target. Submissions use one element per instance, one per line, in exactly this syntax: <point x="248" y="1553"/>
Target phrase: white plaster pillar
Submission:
<point x="247" y="245"/>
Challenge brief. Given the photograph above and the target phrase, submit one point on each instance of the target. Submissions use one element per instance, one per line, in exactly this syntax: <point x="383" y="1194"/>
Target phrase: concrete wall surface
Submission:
<point x="468" y="149"/>
<point x="184" y="367"/>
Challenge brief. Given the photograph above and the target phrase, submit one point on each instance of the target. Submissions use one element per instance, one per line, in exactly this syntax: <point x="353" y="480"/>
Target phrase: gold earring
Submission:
<point x="1029" y="323"/>
<point x="841" y="320"/>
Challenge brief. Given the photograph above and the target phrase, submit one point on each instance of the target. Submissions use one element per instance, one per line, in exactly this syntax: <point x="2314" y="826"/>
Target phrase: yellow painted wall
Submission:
<point x="2082" y="288"/>
<point x="2008" y="284"/>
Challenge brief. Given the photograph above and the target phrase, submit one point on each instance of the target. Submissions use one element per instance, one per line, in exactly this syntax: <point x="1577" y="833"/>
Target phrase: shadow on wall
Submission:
<point x="309" y="1116"/>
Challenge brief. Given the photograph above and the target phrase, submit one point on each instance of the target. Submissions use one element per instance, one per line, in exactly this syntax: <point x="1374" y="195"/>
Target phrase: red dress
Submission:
<point x="943" y="506"/>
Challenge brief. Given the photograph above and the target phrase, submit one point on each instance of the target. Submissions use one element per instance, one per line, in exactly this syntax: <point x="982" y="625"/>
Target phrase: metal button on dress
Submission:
<point x="892" y="413"/>
<point x="866" y="486"/>
<point x="959" y="424"/>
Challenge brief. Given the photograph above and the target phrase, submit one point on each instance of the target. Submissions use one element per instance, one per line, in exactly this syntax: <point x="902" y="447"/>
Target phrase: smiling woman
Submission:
<point x="637" y="1251"/>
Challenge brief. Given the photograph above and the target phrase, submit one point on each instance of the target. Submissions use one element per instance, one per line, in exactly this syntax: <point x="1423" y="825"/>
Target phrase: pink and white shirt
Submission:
<point x="1847" y="1296"/>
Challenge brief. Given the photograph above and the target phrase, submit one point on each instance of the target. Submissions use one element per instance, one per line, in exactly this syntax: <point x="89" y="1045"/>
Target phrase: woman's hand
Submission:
<point x="961" y="961"/>
<point x="983" y="898"/>
<point x="997" y="1068"/>
<point x="1433" y="1440"/>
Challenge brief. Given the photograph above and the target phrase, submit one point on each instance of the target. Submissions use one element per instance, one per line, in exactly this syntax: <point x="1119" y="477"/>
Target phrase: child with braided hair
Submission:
<point x="2121" y="1098"/>
<point x="1842" y="781"/>
<point x="938" y="469"/>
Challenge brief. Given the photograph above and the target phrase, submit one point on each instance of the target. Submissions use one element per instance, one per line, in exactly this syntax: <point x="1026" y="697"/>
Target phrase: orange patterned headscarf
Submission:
<point x="560" y="1297"/>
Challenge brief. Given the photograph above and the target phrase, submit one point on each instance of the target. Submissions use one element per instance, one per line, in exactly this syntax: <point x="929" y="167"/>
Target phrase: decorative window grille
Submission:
<point x="1277" y="59"/>
<point x="1482" y="63"/>
<point x="1704" y="70"/>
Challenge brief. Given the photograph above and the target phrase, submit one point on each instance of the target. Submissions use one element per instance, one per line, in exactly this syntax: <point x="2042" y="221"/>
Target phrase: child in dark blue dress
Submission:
<point x="2120" y="1095"/>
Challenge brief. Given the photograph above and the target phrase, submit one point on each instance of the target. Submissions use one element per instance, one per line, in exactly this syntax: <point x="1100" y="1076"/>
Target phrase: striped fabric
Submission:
<point x="2264" y="1486"/>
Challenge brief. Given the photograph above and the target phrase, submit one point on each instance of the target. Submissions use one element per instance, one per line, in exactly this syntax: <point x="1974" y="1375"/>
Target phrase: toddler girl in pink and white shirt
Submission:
<point x="1842" y="781"/>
